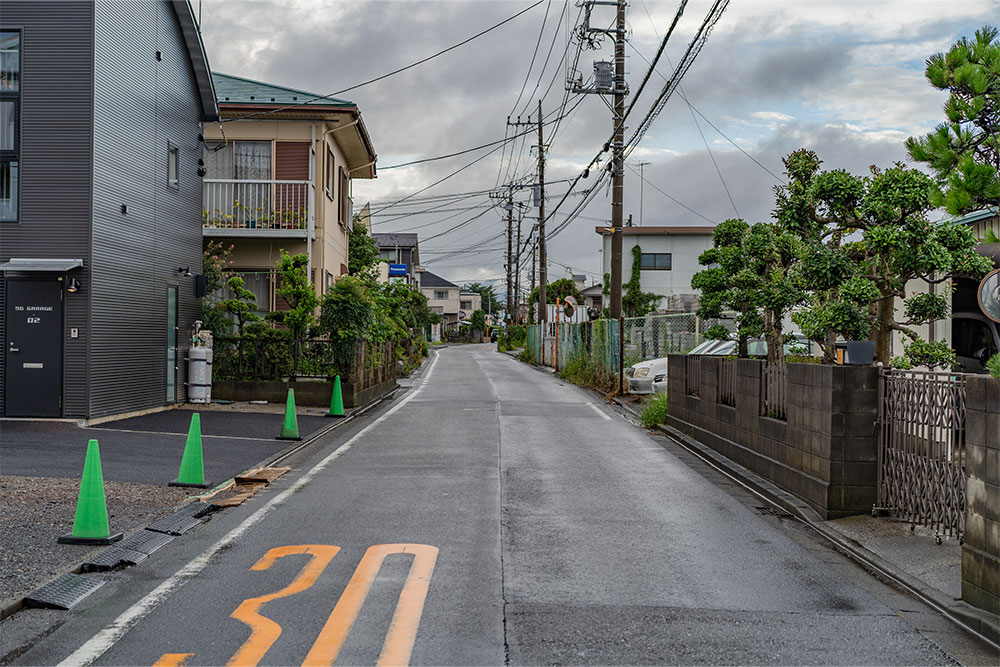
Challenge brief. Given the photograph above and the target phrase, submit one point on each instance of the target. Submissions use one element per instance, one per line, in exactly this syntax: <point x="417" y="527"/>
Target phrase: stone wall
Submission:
<point x="981" y="550"/>
<point x="825" y="452"/>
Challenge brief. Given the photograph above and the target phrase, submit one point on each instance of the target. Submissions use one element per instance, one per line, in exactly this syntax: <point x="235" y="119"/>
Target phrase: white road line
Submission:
<point x="99" y="644"/>
<point x="203" y="435"/>
<point x="600" y="412"/>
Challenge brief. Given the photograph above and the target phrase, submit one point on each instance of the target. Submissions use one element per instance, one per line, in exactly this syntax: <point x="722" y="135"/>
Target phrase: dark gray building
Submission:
<point x="399" y="250"/>
<point x="101" y="112"/>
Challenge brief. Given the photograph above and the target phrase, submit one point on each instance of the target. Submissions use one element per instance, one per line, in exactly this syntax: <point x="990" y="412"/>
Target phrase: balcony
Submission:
<point x="257" y="208"/>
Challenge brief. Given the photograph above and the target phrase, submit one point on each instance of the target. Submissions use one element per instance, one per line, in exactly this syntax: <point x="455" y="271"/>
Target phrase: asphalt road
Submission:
<point x="493" y="514"/>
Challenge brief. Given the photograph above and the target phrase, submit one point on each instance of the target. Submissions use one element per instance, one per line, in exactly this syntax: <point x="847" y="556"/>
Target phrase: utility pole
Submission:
<point x="533" y="248"/>
<point x="607" y="84"/>
<point x="617" y="176"/>
<point x="542" y="277"/>
<point x="517" y="275"/>
<point x="510" y="258"/>
<point x="642" y="187"/>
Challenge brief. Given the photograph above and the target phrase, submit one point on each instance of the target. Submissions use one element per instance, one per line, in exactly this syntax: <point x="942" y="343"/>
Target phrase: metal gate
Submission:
<point x="921" y="454"/>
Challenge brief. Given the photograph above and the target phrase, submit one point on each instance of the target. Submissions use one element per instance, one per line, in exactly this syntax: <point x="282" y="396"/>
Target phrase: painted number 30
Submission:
<point x="402" y="630"/>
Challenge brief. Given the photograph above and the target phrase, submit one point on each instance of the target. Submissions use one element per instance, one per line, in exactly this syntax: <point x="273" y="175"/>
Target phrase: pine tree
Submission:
<point x="964" y="152"/>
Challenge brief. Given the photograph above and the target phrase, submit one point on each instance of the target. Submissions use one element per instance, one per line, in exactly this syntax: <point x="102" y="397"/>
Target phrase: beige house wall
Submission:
<point x="330" y="247"/>
<point x="449" y="306"/>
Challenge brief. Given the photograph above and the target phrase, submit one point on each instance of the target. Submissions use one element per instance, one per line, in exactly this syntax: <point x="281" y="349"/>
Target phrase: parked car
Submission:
<point x="494" y="334"/>
<point x="756" y="347"/>
<point x="640" y="376"/>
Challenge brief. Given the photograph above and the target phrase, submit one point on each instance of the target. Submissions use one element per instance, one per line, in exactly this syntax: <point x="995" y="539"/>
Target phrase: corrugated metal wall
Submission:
<point x="142" y="105"/>
<point x="56" y="117"/>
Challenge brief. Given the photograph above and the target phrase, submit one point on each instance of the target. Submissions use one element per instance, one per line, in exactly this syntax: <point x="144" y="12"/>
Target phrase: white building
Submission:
<point x="669" y="257"/>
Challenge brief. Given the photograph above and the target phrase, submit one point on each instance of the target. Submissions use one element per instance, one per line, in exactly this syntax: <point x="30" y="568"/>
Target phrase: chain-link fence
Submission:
<point x="599" y="350"/>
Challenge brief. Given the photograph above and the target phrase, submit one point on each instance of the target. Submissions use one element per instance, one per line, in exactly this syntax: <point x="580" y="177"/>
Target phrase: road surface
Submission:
<point x="494" y="514"/>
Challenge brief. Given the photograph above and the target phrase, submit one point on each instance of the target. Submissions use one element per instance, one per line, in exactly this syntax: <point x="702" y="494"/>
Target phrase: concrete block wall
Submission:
<point x="981" y="550"/>
<point x="825" y="452"/>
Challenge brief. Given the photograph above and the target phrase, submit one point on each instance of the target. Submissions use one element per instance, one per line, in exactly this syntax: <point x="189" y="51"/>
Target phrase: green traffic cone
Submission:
<point x="192" y="472"/>
<point x="90" y="525"/>
<point x="336" y="401"/>
<point x="290" y="429"/>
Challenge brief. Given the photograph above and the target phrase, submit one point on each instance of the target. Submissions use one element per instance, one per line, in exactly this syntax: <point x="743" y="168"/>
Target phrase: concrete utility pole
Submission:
<point x="607" y="84"/>
<point x="534" y="246"/>
<point x="510" y="258"/>
<point x="542" y="277"/>
<point x="517" y="275"/>
<point x="617" y="165"/>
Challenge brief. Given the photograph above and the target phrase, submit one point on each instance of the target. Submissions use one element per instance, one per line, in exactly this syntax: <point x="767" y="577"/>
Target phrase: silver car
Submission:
<point x="641" y="376"/>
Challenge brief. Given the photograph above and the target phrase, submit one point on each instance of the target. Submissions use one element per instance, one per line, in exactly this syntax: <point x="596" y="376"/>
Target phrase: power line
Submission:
<point x="394" y="72"/>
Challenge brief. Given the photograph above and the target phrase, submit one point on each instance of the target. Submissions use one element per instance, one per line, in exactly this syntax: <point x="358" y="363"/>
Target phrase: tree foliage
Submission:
<point x="863" y="239"/>
<point x="558" y="289"/>
<point x="241" y="304"/>
<point x="964" y="151"/>
<point x="635" y="302"/>
<point x="362" y="253"/>
<point x="216" y="261"/>
<point x="491" y="303"/>
<point x="298" y="292"/>
<point x="478" y="321"/>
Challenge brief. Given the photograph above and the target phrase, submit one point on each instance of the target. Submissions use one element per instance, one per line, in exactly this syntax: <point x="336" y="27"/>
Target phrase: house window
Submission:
<point x="245" y="161"/>
<point x="345" y="199"/>
<point x="659" y="261"/>
<point x="328" y="173"/>
<point x="173" y="166"/>
<point x="465" y="305"/>
<point x="10" y="126"/>
<point x="441" y="294"/>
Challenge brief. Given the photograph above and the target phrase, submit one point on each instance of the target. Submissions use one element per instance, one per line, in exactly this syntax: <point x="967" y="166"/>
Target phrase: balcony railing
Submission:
<point x="256" y="204"/>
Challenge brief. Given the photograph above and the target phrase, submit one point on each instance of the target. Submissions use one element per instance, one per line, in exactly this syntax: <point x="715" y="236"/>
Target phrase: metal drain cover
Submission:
<point x="145" y="541"/>
<point x="113" y="558"/>
<point x="177" y="523"/>
<point x="197" y="510"/>
<point x="64" y="593"/>
<point x="774" y="511"/>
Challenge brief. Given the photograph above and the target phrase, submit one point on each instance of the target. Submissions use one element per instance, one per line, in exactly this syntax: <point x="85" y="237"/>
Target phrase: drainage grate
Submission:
<point x="145" y="541"/>
<point x="64" y="593"/>
<point x="131" y="551"/>
<point x="197" y="510"/>
<point x="774" y="511"/>
<point x="177" y="523"/>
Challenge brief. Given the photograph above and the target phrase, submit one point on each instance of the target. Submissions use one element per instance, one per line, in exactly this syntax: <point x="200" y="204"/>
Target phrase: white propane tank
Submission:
<point x="200" y="375"/>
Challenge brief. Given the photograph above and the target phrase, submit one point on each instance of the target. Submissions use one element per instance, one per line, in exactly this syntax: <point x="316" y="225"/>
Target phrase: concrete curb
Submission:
<point x="971" y="618"/>
<point x="12" y="606"/>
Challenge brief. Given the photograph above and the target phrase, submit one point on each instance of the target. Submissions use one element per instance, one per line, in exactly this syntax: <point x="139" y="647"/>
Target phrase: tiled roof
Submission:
<point x="428" y="279"/>
<point x="237" y="90"/>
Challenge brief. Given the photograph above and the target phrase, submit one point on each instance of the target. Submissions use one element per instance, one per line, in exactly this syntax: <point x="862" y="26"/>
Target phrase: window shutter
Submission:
<point x="291" y="163"/>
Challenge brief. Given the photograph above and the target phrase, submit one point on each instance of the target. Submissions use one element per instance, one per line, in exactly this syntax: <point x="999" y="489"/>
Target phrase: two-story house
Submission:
<point x="443" y="297"/>
<point x="278" y="177"/>
<point x="669" y="260"/>
<point x="102" y="107"/>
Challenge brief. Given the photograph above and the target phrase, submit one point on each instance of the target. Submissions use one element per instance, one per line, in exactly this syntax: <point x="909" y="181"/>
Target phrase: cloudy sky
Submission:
<point x="844" y="78"/>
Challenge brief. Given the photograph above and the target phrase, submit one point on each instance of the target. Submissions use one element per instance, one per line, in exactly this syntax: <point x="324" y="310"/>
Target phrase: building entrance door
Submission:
<point x="33" y="362"/>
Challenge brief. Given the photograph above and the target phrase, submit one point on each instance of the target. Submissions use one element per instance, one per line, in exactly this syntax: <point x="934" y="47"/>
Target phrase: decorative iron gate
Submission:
<point x="921" y="454"/>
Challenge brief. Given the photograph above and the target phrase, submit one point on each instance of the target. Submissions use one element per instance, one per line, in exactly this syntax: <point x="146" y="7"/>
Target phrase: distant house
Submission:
<point x="279" y="175"/>
<point x="669" y="260"/>
<point x="443" y="297"/>
<point x="402" y="252"/>
<point x="593" y="296"/>
<point x="468" y="303"/>
<point x="100" y="204"/>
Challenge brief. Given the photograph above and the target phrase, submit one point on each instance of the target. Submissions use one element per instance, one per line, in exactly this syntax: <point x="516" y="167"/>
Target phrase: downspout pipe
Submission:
<point x="311" y="231"/>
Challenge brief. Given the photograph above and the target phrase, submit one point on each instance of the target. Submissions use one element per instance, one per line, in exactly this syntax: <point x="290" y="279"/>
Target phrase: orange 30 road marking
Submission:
<point x="264" y="631"/>
<point x="402" y="630"/>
